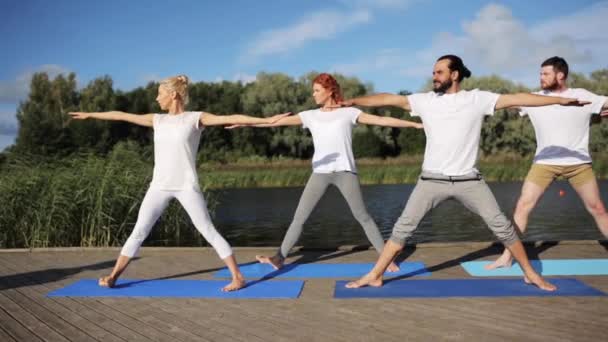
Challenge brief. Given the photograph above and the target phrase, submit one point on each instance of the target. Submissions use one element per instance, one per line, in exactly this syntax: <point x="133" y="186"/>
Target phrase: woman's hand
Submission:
<point x="79" y="115"/>
<point x="278" y="117"/>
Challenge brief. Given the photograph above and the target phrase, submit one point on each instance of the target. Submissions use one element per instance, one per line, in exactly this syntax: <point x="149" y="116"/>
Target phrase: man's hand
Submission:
<point x="573" y="102"/>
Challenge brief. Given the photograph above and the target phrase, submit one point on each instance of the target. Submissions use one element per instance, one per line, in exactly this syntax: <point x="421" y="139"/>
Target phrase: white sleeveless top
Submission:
<point x="176" y="140"/>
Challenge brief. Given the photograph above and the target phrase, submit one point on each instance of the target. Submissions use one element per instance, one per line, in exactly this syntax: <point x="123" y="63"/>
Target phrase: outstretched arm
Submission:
<point x="293" y="120"/>
<point x="208" y="119"/>
<point x="378" y="100"/>
<point x="533" y="100"/>
<point x="138" y="119"/>
<point x="387" y="121"/>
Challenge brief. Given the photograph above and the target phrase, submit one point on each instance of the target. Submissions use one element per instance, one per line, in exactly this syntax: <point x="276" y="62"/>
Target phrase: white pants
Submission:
<point x="154" y="204"/>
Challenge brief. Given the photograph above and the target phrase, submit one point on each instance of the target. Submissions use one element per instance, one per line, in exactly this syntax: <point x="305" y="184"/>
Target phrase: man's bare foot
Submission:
<point x="107" y="281"/>
<point x="504" y="260"/>
<point x="540" y="282"/>
<point x="393" y="267"/>
<point x="275" y="261"/>
<point x="366" y="280"/>
<point x="236" y="284"/>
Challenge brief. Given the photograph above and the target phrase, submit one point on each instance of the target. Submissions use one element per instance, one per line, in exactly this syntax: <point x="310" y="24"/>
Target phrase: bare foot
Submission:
<point x="236" y="284"/>
<point x="275" y="261"/>
<point x="503" y="261"/>
<point x="393" y="267"/>
<point x="540" y="282"/>
<point x="107" y="281"/>
<point x="367" y="280"/>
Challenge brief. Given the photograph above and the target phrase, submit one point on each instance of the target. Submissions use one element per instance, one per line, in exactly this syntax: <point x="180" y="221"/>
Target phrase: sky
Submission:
<point x="391" y="44"/>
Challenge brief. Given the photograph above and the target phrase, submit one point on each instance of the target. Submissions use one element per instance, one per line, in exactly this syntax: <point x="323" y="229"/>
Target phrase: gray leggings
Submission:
<point x="473" y="194"/>
<point x="348" y="184"/>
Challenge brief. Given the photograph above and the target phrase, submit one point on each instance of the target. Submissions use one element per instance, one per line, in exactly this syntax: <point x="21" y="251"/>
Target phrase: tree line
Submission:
<point x="45" y="129"/>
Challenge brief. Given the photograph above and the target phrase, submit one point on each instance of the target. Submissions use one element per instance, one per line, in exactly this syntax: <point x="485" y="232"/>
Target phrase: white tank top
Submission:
<point x="176" y="140"/>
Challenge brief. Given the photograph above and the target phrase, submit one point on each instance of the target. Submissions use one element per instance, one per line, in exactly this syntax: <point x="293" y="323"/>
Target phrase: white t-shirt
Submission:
<point x="176" y="139"/>
<point x="452" y="124"/>
<point x="562" y="132"/>
<point x="332" y="137"/>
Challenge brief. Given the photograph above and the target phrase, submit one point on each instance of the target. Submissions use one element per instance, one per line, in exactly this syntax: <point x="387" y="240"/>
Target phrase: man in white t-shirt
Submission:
<point x="562" y="138"/>
<point x="452" y="120"/>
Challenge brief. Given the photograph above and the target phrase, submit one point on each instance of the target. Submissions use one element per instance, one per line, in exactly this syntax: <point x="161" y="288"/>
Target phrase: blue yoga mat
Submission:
<point x="180" y="288"/>
<point x="259" y="270"/>
<point x="441" y="288"/>
<point x="566" y="267"/>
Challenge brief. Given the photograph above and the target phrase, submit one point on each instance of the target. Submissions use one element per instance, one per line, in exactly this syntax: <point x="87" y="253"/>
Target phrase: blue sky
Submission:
<point x="389" y="43"/>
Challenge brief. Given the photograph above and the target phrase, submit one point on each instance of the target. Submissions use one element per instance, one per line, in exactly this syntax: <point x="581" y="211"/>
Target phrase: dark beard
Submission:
<point x="443" y="86"/>
<point x="551" y="87"/>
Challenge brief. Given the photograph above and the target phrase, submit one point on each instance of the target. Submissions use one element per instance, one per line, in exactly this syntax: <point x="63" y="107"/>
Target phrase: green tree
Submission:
<point x="97" y="96"/>
<point x="42" y="116"/>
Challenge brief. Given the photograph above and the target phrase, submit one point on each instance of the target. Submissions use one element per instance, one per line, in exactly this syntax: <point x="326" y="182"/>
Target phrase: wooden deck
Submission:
<point x="26" y="314"/>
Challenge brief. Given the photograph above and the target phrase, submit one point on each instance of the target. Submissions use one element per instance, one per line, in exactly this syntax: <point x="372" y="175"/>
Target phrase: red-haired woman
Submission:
<point x="333" y="162"/>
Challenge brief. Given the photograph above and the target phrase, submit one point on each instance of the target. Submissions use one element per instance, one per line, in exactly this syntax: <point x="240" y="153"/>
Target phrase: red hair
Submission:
<point x="328" y="82"/>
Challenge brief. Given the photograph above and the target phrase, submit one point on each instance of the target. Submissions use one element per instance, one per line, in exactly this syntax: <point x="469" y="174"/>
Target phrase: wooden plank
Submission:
<point x="145" y="331"/>
<point x="38" y="306"/>
<point x="143" y="312"/>
<point x="15" y="329"/>
<point x="4" y="336"/>
<point x="108" y="328"/>
<point x="28" y="320"/>
<point x="50" y="318"/>
<point x="205" y="319"/>
<point x="316" y="315"/>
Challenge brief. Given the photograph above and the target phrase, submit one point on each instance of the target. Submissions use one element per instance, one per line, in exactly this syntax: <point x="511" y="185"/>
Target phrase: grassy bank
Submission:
<point x="84" y="200"/>
<point x="284" y="173"/>
<point x="87" y="200"/>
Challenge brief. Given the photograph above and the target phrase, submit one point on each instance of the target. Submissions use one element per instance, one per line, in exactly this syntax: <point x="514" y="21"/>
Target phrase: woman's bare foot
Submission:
<point x="107" y="281"/>
<point x="366" y="280"/>
<point x="505" y="260"/>
<point x="539" y="281"/>
<point x="393" y="267"/>
<point x="275" y="261"/>
<point x="236" y="284"/>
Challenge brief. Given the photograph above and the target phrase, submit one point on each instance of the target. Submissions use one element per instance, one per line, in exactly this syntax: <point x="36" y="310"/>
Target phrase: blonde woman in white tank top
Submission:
<point x="176" y="138"/>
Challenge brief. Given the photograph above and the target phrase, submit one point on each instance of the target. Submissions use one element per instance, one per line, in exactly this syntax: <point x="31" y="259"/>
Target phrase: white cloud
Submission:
<point x="495" y="42"/>
<point x="238" y="77"/>
<point x="8" y="123"/>
<point x="6" y="140"/>
<point x="499" y="41"/>
<point x="244" y="78"/>
<point x="18" y="89"/>
<point x="382" y="60"/>
<point x="587" y="25"/>
<point x="380" y="4"/>
<point x="321" y="25"/>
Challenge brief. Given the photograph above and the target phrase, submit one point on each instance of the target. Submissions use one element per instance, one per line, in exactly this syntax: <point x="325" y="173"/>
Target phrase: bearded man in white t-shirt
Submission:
<point x="452" y="120"/>
<point x="562" y="139"/>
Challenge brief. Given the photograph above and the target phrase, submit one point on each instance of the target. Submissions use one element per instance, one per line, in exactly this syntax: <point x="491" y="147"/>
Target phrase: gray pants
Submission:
<point x="474" y="194"/>
<point x="348" y="184"/>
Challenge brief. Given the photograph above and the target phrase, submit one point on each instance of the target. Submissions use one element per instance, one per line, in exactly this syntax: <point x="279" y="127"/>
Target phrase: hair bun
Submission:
<point x="183" y="78"/>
